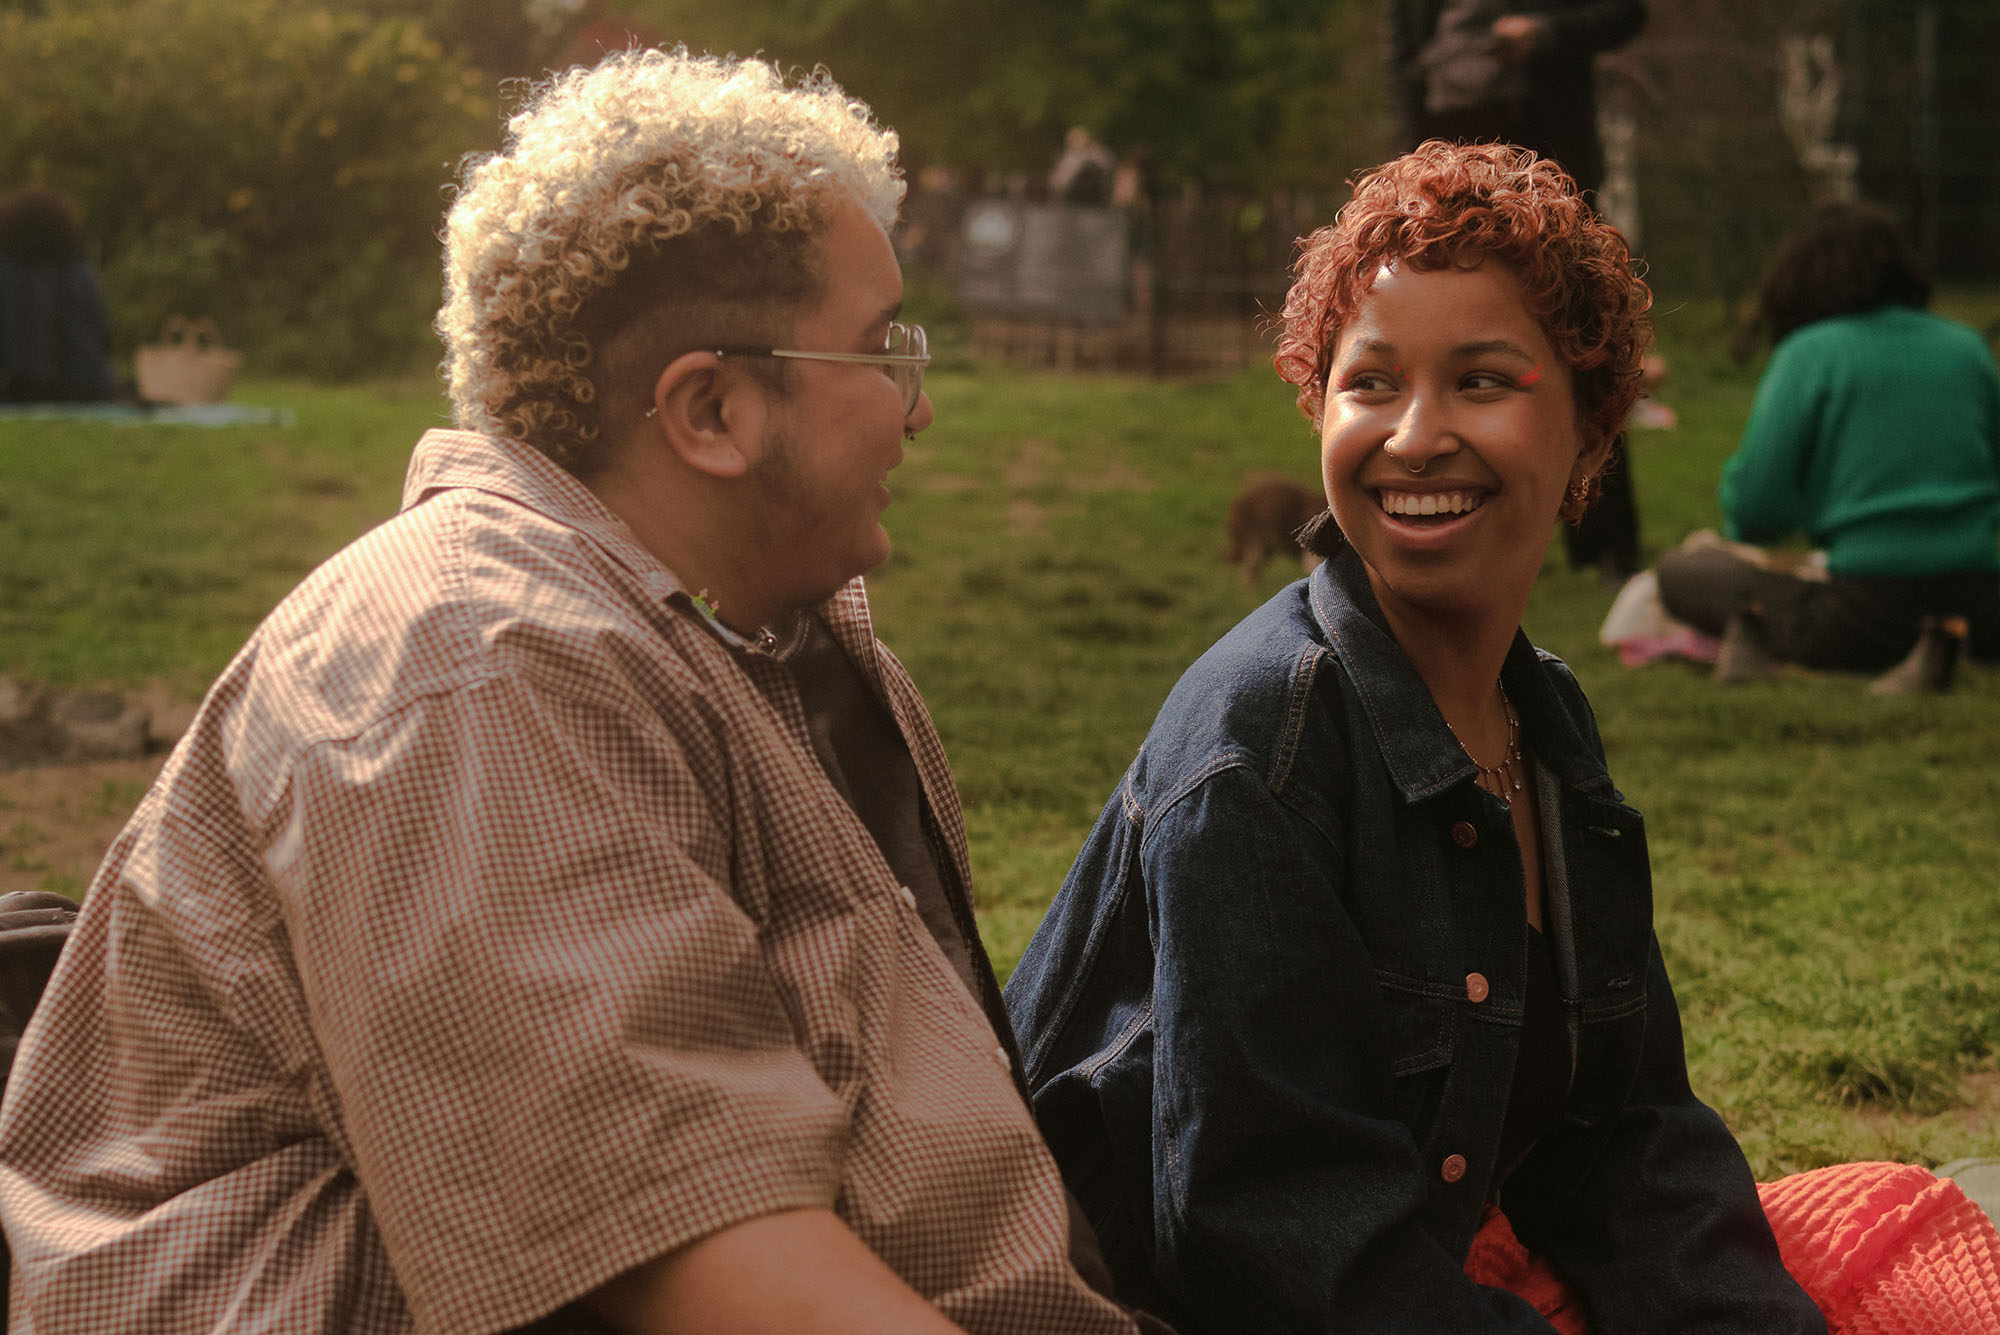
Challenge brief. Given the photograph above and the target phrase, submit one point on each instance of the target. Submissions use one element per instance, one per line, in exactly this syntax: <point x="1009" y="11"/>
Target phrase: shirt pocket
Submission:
<point x="1419" y="1027"/>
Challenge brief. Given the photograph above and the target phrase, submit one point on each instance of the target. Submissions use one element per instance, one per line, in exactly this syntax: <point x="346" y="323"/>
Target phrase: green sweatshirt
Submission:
<point x="1878" y="436"/>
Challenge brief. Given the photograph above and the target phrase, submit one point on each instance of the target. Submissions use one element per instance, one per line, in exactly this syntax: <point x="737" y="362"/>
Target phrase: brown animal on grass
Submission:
<point x="1264" y="520"/>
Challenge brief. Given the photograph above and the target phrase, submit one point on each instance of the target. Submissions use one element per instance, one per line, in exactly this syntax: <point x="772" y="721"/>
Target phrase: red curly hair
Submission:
<point x="1459" y="204"/>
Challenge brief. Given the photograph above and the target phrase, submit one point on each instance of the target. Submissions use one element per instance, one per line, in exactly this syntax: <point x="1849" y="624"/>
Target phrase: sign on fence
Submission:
<point x="1055" y="262"/>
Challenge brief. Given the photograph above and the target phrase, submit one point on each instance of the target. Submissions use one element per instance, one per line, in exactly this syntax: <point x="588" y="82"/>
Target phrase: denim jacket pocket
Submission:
<point x="1611" y="894"/>
<point x="1418" y="1025"/>
<point x="1607" y="1062"/>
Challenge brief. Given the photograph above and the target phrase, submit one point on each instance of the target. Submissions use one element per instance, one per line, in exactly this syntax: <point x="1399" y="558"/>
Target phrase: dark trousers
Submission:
<point x="1845" y="623"/>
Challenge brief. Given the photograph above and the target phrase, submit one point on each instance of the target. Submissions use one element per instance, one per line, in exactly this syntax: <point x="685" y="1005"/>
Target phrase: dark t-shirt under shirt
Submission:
<point x="863" y="753"/>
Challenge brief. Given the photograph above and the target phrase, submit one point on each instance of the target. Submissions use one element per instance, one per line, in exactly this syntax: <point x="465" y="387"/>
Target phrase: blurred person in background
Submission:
<point x="1875" y="434"/>
<point x="55" y="333"/>
<point x="1522" y="72"/>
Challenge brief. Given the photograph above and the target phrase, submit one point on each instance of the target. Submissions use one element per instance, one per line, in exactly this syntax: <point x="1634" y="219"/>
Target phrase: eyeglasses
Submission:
<point x="904" y="357"/>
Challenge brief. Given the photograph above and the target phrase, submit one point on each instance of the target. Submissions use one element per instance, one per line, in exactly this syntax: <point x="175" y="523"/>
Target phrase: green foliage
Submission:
<point x="277" y="168"/>
<point x="1248" y="93"/>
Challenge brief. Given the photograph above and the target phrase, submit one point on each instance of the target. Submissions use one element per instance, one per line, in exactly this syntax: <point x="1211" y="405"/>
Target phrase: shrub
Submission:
<point x="279" y="169"/>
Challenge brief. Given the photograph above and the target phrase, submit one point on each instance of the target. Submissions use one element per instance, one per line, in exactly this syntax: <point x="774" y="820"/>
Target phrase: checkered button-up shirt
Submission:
<point x="492" y="933"/>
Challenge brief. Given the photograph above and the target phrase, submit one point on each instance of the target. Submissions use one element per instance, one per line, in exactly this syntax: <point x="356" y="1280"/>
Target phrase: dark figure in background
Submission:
<point x="55" y="335"/>
<point x="1519" y="72"/>
<point x="1082" y="175"/>
<point x="1876" y="433"/>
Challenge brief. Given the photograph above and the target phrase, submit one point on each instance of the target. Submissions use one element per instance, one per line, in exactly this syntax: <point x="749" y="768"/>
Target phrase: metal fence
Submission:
<point x="1721" y="124"/>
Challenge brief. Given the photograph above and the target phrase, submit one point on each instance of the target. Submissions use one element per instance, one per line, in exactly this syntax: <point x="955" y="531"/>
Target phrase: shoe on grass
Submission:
<point x="1930" y="666"/>
<point x="1743" y="655"/>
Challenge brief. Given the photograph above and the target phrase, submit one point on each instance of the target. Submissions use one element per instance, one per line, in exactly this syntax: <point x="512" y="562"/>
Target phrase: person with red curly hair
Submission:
<point x="1361" y="950"/>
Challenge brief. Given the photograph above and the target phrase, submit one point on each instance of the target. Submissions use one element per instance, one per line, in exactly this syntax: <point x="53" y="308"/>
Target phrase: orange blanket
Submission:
<point x="1883" y="1248"/>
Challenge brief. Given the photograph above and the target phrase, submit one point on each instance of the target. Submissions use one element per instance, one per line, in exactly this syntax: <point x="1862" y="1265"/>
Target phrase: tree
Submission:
<point x="1253" y="93"/>
<point x="280" y="169"/>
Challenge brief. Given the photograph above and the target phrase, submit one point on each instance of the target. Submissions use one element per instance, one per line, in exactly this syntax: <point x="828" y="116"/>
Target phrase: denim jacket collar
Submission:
<point x="1423" y="757"/>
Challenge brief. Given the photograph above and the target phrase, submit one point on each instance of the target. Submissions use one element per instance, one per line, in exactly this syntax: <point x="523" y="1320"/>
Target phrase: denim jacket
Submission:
<point x="1270" y="1022"/>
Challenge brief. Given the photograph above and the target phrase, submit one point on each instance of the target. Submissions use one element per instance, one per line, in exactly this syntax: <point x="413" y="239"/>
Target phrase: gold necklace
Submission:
<point x="1502" y="779"/>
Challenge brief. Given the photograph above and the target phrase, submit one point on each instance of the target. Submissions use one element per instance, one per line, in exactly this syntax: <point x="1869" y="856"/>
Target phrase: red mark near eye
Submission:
<point x="1399" y="368"/>
<point x="1532" y="376"/>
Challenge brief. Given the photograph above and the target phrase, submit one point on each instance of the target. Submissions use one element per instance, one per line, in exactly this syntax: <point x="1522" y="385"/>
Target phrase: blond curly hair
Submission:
<point x="608" y="166"/>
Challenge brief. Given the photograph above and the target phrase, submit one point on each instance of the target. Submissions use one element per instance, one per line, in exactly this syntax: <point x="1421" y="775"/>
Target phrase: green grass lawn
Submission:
<point x="1824" y="860"/>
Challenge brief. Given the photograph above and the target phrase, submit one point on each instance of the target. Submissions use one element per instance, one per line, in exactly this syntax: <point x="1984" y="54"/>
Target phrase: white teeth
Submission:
<point x="1430" y="502"/>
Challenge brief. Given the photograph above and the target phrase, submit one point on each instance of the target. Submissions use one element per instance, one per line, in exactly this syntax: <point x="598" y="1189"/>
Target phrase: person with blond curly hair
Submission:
<point x="1360" y="953"/>
<point x="557" y="917"/>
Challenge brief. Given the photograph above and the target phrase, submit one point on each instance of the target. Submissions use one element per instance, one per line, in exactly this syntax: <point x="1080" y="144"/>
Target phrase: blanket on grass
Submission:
<point x="1883" y="1248"/>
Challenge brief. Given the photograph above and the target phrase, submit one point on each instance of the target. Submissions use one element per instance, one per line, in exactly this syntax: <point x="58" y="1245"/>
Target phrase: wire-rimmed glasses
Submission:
<point x="904" y="357"/>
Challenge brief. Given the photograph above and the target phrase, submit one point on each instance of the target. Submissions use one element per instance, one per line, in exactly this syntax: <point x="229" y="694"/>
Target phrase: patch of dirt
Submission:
<point x="1971" y="1127"/>
<point x="1117" y="476"/>
<point x="1025" y="519"/>
<point x="1030" y="467"/>
<point x="1029" y="464"/>
<point x="57" y="820"/>
<point x="947" y="482"/>
<point x="1982" y="1095"/>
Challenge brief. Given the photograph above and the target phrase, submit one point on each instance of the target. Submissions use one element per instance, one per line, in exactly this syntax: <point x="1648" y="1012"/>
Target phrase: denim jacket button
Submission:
<point x="1453" y="1167"/>
<point x="1476" y="989"/>
<point x="1463" y="834"/>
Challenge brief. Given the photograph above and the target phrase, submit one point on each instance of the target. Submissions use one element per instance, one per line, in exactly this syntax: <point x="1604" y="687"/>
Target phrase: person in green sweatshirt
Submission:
<point x="1876" y="434"/>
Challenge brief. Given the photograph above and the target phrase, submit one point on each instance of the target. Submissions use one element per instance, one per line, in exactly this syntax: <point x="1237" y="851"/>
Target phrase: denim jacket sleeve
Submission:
<point x="1640" y="1198"/>
<point x="1289" y="1195"/>
<point x="1654" y="1225"/>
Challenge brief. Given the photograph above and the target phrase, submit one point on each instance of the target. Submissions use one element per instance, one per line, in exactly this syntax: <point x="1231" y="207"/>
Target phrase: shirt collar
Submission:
<point x="446" y="460"/>
<point x="1423" y="757"/>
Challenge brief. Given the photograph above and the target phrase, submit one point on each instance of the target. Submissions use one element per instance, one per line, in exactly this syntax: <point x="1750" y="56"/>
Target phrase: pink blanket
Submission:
<point x="1883" y="1248"/>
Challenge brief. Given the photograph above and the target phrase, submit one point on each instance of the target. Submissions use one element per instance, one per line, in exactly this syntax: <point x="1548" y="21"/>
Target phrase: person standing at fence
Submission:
<point x="1082" y="175"/>
<point x="1520" y="72"/>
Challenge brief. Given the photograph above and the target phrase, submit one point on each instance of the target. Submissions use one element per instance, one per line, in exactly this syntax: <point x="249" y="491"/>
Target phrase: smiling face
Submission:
<point x="1450" y="435"/>
<point x="835" y="429"/>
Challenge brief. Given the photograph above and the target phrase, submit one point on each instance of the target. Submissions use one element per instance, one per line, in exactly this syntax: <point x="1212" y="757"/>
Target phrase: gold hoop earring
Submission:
<point x="1577" y="498"/>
